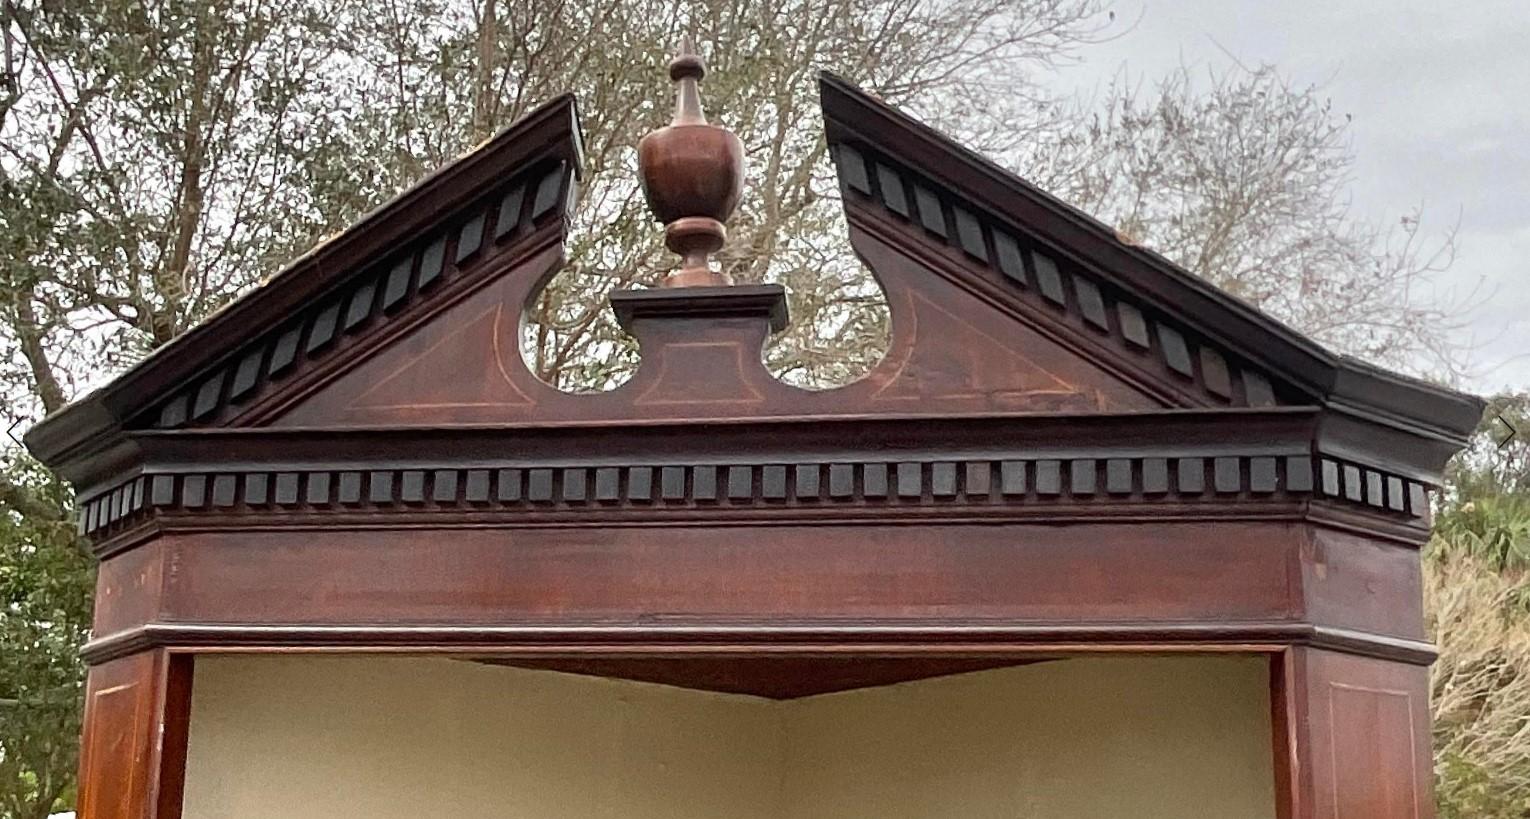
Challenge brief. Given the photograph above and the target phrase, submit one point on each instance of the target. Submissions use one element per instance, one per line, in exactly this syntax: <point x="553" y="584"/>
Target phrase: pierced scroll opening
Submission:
<point x="841" y="325"/>
<point x="570" y="340"/>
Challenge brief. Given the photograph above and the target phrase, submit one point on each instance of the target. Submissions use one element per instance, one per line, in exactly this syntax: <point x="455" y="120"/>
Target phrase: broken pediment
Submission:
<point x="985" y="317"/>
<point x="1002" y="300"/>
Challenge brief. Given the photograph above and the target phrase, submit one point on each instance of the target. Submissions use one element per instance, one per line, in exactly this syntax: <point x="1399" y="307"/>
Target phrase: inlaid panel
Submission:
<point x="1363" y="733"/>
<point x="132" y="754"/>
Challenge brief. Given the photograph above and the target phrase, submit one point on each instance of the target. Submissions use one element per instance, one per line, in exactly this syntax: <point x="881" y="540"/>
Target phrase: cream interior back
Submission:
<point x="308" y="737"/>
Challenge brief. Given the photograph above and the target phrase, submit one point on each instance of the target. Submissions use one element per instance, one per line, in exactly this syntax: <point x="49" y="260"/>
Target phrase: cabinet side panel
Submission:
<point x="1368" y="752"/>
<point x="132" y="751"/>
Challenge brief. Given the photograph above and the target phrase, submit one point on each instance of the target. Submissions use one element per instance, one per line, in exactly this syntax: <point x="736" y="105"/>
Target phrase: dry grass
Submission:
<point x="1480" y="688"/>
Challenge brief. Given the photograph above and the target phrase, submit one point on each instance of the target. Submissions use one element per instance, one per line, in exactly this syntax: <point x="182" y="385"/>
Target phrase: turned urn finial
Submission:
<point x="692" y="175"/>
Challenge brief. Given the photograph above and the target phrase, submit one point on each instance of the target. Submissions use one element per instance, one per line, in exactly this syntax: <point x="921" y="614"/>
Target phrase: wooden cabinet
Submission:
<point x="1071" y="448"/>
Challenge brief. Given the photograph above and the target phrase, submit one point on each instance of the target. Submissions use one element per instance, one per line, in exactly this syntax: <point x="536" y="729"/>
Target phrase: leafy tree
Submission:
<point x="46" y="577"/>
<point x="439" y="76"/>
<point x="1486" y="511"/>
<point x="1479" y="600"/>
<point x="1497" y="461"/>
<point x="1244" y="179"/>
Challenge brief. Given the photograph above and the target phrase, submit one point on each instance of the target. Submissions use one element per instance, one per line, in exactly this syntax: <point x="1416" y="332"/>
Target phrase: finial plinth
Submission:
<point x="692" y="174"/>
<point x="695" y="238"/>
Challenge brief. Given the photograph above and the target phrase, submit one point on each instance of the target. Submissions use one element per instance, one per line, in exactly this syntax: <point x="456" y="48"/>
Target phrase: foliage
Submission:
<point x="1495" y="462"/>
<point x="1243" y="179"/>
<point x="1480" y="688"/>
<point x="160" y="158"/>
<point x="1494" y="529"/>
<point x="1477" y="587"/>
<point x="438" y="75"/>
<point x="1486" y="511"/>
<point x="46" y="578"/>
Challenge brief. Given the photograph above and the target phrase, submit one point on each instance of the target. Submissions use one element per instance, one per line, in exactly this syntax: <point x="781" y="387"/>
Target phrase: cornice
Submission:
<point x="952" y="197"/>
<point x="883" y="638"/>
<point x="1047" y="485"/>
<point x="539" y="156"/>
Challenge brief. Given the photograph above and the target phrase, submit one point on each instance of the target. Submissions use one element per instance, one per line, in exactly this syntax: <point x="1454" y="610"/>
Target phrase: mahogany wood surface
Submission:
<point x="1363" y="583"/>
<point x="133" y="752"/>
<point x="692" y="574"/>
<point x="1357" y="732"/>
<point x="971" y="584"/>
<point x="1287" y="733"/>
<point x="951" y="352"/>
<point x="774" y="677"/>
<point x="1070" y="446"/>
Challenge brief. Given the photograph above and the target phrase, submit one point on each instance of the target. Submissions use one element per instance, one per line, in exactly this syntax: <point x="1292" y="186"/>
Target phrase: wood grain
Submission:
<point x="1366" y="744"/>
<point x="132" y="758"/>
<point x="780" y="678"/>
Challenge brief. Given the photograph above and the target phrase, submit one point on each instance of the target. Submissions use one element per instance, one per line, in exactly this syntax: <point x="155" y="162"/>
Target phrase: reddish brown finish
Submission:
<point x="889" y="585"/>
<point x="692" y="174"/>
<point x="1070" y="446"/>
<point x="129" y="589"/>
<point x="1118" y="573"/>
<point x="777" y="678"/>
<point x="175" y="733"/>
<point x="1361" y="737"/>
<point x="1288" y="708"/>
<point x="951" y="352"/>
<point x="1363" y="583"/>
<point x="133" y="752"/>
<point x="547" y="134"/>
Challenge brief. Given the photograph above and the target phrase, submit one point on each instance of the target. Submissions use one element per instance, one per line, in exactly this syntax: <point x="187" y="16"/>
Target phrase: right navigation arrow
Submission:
<point x="1513" y="433"/>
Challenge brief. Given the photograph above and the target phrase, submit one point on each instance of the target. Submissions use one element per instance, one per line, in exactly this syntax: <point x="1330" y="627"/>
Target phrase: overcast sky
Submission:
<point x="1440" y="94"/>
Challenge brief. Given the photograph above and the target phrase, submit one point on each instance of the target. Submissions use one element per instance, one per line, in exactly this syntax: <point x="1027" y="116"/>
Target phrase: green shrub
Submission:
<point x="1480" y="686"/>
<point x="1494" y="529"/>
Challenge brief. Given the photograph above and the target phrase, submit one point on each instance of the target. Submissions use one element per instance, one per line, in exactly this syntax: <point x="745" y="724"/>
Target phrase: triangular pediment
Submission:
<point x="987" y="316"/>
<point x="1002" y="300"/>
<point x="464" y="227"/>
<point x="1118" y="304"/>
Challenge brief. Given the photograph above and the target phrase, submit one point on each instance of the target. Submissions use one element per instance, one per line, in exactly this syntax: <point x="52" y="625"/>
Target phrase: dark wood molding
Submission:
<point x="1277" y="431"/>
<point x="766" y="301"/>
<point x="1163" y="354"/>
<point x="971" y="184"/>
<point x="549" y="133"/>
<point x="1134" y="484"/>
<point x="1176" y="463"/>
<point x="884" y="640"/>
<point x="372" y="308"/>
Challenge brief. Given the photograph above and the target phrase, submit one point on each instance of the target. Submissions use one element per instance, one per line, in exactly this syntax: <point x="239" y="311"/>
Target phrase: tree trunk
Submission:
<point x="30" y="335"/>
<point x="483" y="81"/>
